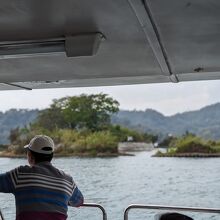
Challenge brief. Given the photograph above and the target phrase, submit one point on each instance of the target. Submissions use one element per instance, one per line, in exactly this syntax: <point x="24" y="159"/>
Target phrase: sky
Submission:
<point x="167" y="98"/>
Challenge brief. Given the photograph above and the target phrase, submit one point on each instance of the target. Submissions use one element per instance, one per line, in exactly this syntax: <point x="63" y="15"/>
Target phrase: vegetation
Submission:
<point x="191" y="145"/>
<point x="123" y="133"/>
<point x="86" y="125"/>
<point x="89" y="143"/>
<point x="204" y="123"/>
<point x="78" y="142"/>
<point x="79" y="112"/>
<point x="79" y="125"/>
<point x="14" y="118"/>
<point x="3" y="147"/>
<point x="166" y="142"/>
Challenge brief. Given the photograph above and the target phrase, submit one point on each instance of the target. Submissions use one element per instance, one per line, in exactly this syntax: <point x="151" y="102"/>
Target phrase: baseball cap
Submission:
<point x="41" y="144"/>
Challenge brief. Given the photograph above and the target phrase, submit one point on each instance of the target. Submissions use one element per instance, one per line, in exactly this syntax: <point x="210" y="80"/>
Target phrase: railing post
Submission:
<point x="126" y="213"/>
<point x="94" y="205"/>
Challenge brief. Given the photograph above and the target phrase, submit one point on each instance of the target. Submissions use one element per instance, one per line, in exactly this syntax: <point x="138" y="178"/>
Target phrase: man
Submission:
<point x="42" y="192"/>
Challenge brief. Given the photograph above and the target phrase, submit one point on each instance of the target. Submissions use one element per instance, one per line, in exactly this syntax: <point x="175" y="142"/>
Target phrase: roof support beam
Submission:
<point x="143" y="13"/>
<point x="17" y="86"/>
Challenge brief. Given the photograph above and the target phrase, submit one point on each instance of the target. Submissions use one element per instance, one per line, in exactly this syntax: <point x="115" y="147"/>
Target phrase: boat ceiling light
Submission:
<point x="72" y="46"/>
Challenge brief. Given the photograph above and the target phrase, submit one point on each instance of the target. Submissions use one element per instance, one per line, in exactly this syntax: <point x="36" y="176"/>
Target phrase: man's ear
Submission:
<point x="31" y="159"/>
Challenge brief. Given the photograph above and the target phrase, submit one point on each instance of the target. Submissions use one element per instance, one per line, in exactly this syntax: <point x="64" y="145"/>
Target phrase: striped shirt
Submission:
<point x="41" y="192"/>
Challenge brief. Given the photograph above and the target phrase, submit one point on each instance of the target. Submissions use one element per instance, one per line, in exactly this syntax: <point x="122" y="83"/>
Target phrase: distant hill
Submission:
<point x="204" y="122"/>
<point x="12" y="119"/>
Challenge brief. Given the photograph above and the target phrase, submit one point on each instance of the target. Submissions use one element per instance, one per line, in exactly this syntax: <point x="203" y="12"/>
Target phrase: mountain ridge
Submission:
<point x="204" y="122"/>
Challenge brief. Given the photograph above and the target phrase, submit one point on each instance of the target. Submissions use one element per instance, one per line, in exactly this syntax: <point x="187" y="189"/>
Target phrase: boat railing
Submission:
<point x="148" y="207"/>
<point x="169" y="208"/>
<point x="94" y="205"/>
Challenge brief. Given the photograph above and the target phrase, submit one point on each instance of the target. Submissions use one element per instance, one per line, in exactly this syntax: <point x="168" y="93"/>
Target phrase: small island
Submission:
<point x="80" y="126"/>
<point x="190" y="145"/>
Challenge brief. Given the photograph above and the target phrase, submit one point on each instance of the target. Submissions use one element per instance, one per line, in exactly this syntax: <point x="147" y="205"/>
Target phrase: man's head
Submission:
<point x="172" y="216"/>
<point x="40" y="149"/>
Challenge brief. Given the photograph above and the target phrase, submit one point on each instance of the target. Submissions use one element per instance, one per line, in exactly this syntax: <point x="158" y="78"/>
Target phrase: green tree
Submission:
<point x="14" y="135"/>
<point x="77" y="112"/>
<point x="51" y="118"/>
<point x="89" y="111"/>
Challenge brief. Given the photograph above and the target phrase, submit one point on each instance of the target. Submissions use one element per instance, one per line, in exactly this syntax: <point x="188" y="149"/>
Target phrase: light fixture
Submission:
<point x="72" y="46"/>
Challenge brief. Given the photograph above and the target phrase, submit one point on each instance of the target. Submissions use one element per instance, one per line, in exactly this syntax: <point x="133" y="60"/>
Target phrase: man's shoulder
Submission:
<point x="64" y="174"/>
<point x="50" y="170"/>
<point x="19" y="169"/>
<point x="42" y="170"/>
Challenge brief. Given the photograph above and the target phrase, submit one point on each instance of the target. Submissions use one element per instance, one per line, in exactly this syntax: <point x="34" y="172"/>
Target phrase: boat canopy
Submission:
<point x="76" y="43"/>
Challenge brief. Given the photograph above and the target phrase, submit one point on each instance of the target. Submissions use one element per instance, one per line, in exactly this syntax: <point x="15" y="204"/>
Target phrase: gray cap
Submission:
<point x="41" y="144"/>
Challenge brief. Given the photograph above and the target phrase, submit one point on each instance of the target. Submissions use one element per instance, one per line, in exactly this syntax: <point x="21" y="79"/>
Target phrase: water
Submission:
<point x="117" y="182"/>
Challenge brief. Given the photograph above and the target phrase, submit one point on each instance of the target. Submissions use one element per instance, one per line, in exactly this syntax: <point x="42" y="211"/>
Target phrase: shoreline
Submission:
<point x="191" y="155"/>
<point x="5" y="155"/>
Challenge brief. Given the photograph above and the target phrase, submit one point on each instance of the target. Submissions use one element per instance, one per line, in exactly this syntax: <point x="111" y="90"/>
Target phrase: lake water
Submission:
<point x="117" y="182"/>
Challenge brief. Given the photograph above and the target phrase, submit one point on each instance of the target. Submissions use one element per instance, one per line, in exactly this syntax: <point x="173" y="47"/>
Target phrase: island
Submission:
<point x="190" y="145"/>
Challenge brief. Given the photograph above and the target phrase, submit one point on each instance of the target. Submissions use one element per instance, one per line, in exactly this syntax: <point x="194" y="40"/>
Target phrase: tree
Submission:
<point x="89" y="111"/>
<point x="14" y="135"/>
<point x="51" y="118"/>
<point x="77" y="112"/>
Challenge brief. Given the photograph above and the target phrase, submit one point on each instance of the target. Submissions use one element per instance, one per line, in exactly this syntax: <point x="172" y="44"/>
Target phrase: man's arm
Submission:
<point x="6" y="184"/>
<point x="76" y="199"/>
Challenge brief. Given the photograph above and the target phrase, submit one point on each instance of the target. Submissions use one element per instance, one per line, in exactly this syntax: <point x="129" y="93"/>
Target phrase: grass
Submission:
<point x="191" y="145"/>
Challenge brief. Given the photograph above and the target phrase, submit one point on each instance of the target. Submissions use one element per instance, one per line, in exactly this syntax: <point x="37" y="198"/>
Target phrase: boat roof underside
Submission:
<point x="145" y="41"/>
